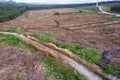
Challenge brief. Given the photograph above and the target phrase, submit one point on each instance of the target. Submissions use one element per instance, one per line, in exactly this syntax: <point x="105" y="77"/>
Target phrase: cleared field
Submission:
<point x="97" y="31"/>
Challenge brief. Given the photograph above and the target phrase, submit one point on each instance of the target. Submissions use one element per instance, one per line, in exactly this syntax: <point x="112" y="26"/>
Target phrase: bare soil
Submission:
<point x="96" y="31"/>
<point x="16" y="62"/>
<point x="92" y="30"/>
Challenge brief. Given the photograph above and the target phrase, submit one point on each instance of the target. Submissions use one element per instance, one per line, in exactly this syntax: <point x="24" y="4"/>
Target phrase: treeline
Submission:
<point x="10" y="11"/>
<point x="115" y="8"/>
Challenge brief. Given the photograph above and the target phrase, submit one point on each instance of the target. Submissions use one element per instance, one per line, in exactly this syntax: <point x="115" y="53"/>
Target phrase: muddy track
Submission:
<point x="89" y="75"/>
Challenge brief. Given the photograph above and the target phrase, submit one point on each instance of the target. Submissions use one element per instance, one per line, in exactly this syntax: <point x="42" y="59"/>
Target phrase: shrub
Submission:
<point x="115" y="8"/>
<point x="56" y="13"/>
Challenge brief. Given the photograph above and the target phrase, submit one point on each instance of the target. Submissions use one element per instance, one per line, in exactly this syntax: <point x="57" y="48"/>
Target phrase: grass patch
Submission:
<point x="86" y="53"/>
<point x="40" y="37"/>
<point x="20" y="78"/>
<point x="89" y="9"/>
<point x="61" y="72"/>
<point x="6" y="40"/>
<point x="44" y="36"/>
<point x="112" y="69"/>
<point x="1" y="78"/>
<point x="15" y="30"/>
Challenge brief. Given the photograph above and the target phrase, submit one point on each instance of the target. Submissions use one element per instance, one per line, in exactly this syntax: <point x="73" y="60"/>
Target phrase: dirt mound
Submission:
<point x="16" y="62"/>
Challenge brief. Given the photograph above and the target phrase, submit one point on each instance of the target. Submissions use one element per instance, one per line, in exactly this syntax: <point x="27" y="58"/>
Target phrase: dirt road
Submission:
<point x="105" y="12"/>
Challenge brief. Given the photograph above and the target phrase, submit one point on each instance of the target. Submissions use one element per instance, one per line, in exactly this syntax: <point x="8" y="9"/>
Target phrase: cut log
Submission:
<point x="89" y="75"/>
